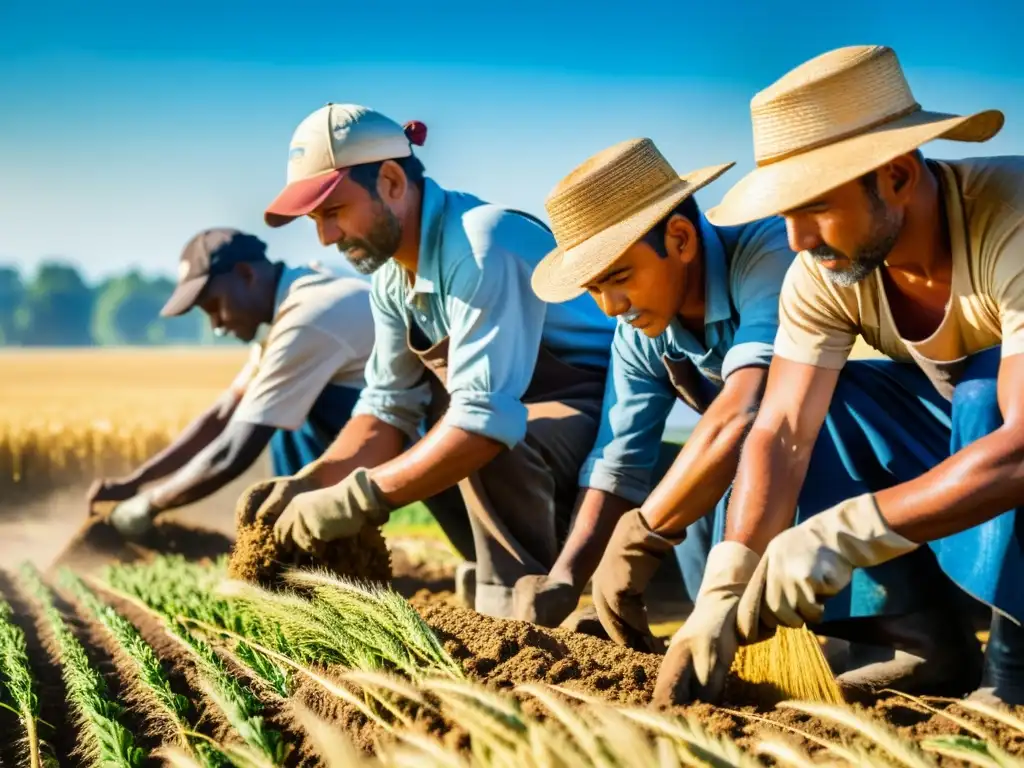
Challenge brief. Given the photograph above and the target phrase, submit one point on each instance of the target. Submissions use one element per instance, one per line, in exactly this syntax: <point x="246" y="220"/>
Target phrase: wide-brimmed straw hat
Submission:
<point x="831" y="120"/>
<point x="606" y="205"/>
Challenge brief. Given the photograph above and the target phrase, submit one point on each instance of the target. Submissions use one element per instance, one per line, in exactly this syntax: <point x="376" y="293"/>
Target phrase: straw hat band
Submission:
<point x="798" y="115"/>
<point x="608" y="194"/>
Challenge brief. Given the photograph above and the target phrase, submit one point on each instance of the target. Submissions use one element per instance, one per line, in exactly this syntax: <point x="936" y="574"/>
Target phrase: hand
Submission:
<point x="815" y="560"/>
<point x="107" y="489"/>
<point x="133" y="518"/>
<point x="541" y="600"/>
<point x="338" y="511"/>
<point x="633" y="555"/>
<point x="267" y="499"/>
<point x="701" y="653"/>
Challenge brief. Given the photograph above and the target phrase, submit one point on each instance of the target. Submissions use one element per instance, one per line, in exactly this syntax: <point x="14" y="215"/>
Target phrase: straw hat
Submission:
<point x="830" y="121"/>
<point x="606" y="205"/>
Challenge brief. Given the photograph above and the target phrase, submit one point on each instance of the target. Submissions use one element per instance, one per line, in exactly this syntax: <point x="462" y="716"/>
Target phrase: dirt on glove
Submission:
<point x="258" y="559"/>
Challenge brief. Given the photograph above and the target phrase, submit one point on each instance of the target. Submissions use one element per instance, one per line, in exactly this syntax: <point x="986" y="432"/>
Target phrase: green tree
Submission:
<point x="56" y="309"/>
<point x="12" y="293"/>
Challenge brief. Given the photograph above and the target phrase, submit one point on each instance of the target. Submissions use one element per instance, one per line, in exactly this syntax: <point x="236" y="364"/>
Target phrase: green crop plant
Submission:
<point x="348" y="625"/>
<point x="175" y="588"/>
<point x="150" y="685"/>
<point x="103" y="741"/>
<point x="242" y="709"/>
<point x="16" y="676"/>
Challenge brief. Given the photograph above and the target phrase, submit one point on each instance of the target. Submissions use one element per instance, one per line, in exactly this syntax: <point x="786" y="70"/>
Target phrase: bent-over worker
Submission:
<point x="295" y="393"/>
<point x="510" y="387"/>
<point x="923" y="260"/>
<point x="698" y="313"/>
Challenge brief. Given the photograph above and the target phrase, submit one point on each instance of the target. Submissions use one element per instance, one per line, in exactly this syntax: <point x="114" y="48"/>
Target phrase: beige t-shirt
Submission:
<point x="820" y="321"/>
<point x="322" y="333"/>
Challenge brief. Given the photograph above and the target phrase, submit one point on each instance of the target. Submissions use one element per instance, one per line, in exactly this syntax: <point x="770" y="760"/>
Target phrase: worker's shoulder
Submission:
<point x="480" y="227"/>
<point x="992" y="190"/>
<point x="756" y="239"/>
<point x="327" y="302"/>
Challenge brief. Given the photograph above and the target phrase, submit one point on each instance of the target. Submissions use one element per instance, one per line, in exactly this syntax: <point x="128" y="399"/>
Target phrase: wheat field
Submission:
<point x="67" y="415"/>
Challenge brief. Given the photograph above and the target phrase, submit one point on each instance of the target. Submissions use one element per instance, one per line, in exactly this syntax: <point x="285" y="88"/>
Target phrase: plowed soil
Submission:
<point x="502" y="654"/>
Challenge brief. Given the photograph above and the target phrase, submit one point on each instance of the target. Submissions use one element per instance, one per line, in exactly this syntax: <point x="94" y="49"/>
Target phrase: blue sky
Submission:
<point x="122" y="133"/>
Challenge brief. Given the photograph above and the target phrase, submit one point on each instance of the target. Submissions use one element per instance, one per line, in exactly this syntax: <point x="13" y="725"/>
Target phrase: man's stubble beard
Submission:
<point x="870" y="256"/>
<point x="380" y="244"/>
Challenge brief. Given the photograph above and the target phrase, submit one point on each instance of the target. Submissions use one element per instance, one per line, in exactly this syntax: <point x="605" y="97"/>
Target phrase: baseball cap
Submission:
<point x="211" y="252"/>
<point x="329" y="142"/>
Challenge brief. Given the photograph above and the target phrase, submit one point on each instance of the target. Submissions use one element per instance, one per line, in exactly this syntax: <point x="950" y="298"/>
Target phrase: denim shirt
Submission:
<point x="744" y="270"/>
<point x="472" y="286"/>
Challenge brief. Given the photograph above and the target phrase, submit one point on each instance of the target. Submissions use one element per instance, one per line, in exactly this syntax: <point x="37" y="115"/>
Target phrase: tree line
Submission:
<point x="56" y="306"/>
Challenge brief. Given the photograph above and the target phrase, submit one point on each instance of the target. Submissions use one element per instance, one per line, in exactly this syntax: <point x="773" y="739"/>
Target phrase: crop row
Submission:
<point x="236" y="654"/>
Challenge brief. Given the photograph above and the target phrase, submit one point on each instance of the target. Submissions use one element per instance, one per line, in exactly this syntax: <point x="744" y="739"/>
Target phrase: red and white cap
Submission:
<point x="329" y="142"/>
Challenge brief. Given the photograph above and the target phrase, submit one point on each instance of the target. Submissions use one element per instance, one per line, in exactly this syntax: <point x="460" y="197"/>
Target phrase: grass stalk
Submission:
<point x="17" y="678"/>
<point x="104" y="739"/>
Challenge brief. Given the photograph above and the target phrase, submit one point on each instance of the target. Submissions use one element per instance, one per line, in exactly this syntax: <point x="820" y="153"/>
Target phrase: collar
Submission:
<point x="717" y="306"/>
<point x="428" y="266"/>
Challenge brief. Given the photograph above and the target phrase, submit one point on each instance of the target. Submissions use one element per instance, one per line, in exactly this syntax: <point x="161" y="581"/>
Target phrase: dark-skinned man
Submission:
<point x="698" y="312"/>
<point x="510" y="387"/>
<point x="924" y="261"/>
<point x="295" y="393"/>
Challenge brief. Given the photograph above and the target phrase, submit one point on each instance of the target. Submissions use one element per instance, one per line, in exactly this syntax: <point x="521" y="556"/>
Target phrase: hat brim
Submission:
<point x="563" y="274"/>
<point x="301" y="198"/>
<point x="184" y="297"/>
<point x="794" y="181"/>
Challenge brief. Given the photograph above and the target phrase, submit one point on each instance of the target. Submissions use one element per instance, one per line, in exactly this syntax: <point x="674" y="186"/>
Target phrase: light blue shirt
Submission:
<point x="744" y="270"/>
<point x="472" y="286"/>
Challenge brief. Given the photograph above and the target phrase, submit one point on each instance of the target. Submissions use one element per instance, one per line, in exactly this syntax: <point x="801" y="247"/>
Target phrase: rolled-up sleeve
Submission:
<point x="638" y="398"/>
<point x="759" y="269"/>
<point x="396" y="390"/>
<point x="495" y="323"/>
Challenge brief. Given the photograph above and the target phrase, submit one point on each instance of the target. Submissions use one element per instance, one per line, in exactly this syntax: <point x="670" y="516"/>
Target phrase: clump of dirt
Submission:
<point x="258" y="559"/>
<point x="505" y="653"/>
<point x="98" y="544"/>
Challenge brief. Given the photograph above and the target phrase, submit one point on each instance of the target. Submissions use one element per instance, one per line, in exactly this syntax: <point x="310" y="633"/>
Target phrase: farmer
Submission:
<point x="924" y="260"/>
<point x="510" y="388"/>
<point x="698" y="306"/>
<point x="296" y="391"/>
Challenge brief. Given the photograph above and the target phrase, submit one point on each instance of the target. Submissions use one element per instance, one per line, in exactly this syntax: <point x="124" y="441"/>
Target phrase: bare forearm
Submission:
<point x="186" y="446"/>
<point x="972" y="486"/>
<point x="445" y="456"/>
<point x="213" y="468"/>
<point x="593" y="523"/>
<point x="700" y="475"/>
<point x="365" y="441"/>
<point x="766" y="488"/>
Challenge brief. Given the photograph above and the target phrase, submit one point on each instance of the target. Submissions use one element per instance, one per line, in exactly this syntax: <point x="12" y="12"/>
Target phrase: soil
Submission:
<point x="500" y="653"/>
<point x="98" y="544"/>
<point x="258" y="558"/>
<point x="58" y="741"/>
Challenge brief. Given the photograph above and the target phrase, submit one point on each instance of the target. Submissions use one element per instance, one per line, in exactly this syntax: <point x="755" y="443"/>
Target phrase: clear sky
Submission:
<point x="125" y="127"/>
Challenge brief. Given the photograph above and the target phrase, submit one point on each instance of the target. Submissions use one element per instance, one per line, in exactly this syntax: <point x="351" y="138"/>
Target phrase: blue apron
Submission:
<point x="291" y="450"/>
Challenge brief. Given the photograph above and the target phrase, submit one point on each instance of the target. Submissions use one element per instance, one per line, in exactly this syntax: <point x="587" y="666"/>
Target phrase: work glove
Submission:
<point x="540" y="600"/>
<point x="813" y="561"/>
<point x="267" y="499"/>
<point x="631" y="559"/>
<point x="107" y="490"/>
<point x="701" y="652"/>
<point x="339" y="511"/>
<point x="133" y="518"/>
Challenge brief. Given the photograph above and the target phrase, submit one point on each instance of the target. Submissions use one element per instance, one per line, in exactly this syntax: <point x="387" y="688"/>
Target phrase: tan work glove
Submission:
<point x="815" y="560"/>
<point x="336" y="512"/>
<point x="267" y="499"/>
<point x="629" y="562"/>
<point x="701" y="652"/>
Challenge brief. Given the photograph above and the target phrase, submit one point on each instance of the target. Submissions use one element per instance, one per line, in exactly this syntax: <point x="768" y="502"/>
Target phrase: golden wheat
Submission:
<point x="68" y="415"/>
